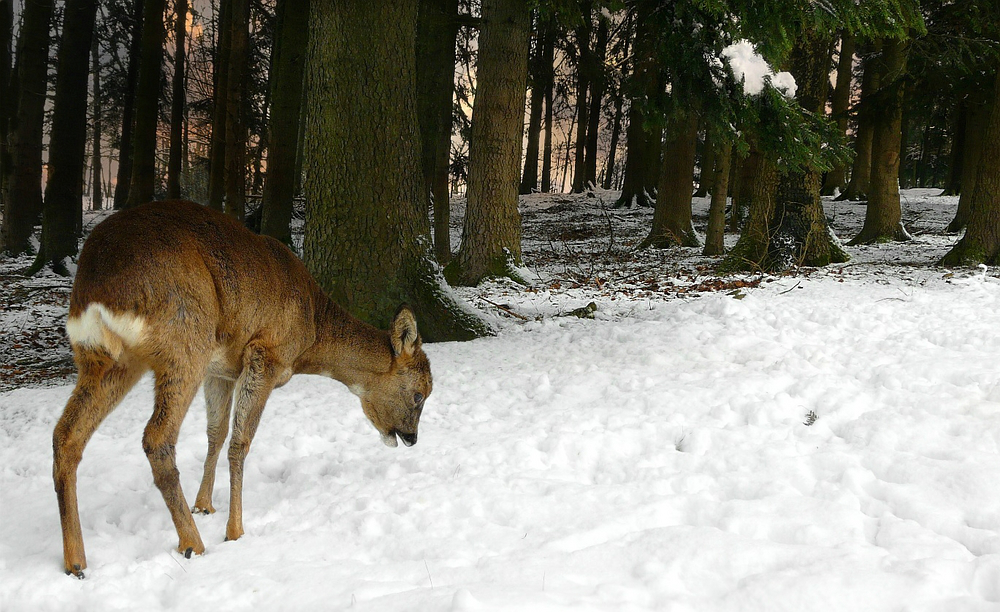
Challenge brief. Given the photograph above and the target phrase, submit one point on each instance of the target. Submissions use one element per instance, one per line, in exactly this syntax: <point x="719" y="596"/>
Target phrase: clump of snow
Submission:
<point x="754" y="71"/>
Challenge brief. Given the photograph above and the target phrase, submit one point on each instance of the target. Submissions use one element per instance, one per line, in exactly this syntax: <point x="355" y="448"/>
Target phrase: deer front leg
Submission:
<point x="259" y="377"/>
<point x="218" y="402"/>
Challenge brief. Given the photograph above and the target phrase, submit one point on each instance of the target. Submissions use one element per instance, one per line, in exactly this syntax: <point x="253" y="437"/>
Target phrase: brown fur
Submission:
<point x="195" y="297"/>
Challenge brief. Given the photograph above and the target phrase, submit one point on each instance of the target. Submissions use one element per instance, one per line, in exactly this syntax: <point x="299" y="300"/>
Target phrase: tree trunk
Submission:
<point x="672" y="217"/>
<point x="217" y="153"/>
<point x="883" y="214"/>
<point x="236" y="129"/>
<point x="758" y="192"/>
<point x="981" y="242"/>
<point x="616" y="131"/>
<point x="97" y="189"/>
<point x="23" y="198"/>
<point x="715" y="236"/>
<point x="68" y="140"/>
<point x="836" y="179"/>
<point x="178" y="101"/>
<point x="142" y="187"/>
<point x="8" y="95"/>
<point x="124" y="177"/>
<point x="288" y="67"/>
<point x="598" y="83"/>
<point x="529" y="177"/>
<point x="953" y="184"/>
<point x="367" y="232"/>
<point x="857" y="188"/>
<point x="978" y="115"/>
<point x="706" y="172"/>
<point x="548" y="59"/>
<point x="583" y="74"/>
<point x="642" y="155"/>
<point x="491" y="234"/>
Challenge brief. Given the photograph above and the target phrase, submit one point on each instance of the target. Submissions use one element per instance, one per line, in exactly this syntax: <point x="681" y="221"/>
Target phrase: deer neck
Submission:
<point x="346" y="349"/>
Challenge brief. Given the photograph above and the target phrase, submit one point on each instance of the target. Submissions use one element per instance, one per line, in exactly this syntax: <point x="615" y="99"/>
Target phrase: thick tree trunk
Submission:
<point x="857" y="188"/>
<point x="217" y="153"/>
<point x="598" y="83"/>
<point x="491" y="234"/>
<point x="367" y="232"/>
<point x="23" y="198"/>
<point x="758" y="194"/>
<point x="178" y="101"/>
<point x="97" y="189"/>
<point x="836" y="179"/>
<point x="548" y="57"/>
<point x="883" y="214"/>
<point x="142" y="185"/>
<point x="981" y="242"/>
<point x="124" y="176"/>
<point x="288" y="68"/>
<point x="529" y="176"/>
<point x="68" y="140"/>
<point x="715" y="236"/>
<point x="236" y="129"/>
<point x="672" y="217"/>
<point x="978" y="115"/>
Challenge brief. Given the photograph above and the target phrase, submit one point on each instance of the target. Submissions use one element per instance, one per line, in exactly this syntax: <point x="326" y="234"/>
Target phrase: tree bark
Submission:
<point x="642" y="155"/>
<point x="23" y="198"/>
<point x="857" y="188"/>
<point x="97" y="189"/>
<point x="672" y="216"/>
<point x="883" y="214"/>
<point x="124" y="177"/>
<point x="68" y="140"/>
<point x="583" y="79"/>
<point x="529" y="176"/>
<point x="616" y="131"/>
<point x="236" y="128"/>
<point x="598" y="83"/>
<point x="836" y="179"/>
<point x="981" y="242"/>
<point x="367" y="239"/>
<point x="706" y="171"/>
<point x="8" y="95"/>
<point x="548" y="59"/>
<point x="177" y="102"/>
<point x="758" y="194"/>
<point x="978" y="115"/>
<point x="715" y="236"/>
<point x="142" y="185"/>
<point x="217" y="153"/>
<point x="491" y="234"/>
<point x="953" y="184"/>
<point x="288" y="68"/>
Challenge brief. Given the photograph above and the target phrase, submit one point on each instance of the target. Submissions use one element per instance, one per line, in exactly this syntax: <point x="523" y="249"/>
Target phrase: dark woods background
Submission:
<point x="366" y="120"/>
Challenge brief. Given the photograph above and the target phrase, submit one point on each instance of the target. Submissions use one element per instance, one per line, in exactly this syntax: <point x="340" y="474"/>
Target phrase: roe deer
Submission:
<point x="192" y="295"/>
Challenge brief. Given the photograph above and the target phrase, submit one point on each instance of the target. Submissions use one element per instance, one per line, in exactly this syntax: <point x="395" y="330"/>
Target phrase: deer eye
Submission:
<point x="418" y="398"/>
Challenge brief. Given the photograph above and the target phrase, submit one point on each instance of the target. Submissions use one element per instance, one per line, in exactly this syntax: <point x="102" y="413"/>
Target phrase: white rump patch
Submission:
<point x="98" y="326"/>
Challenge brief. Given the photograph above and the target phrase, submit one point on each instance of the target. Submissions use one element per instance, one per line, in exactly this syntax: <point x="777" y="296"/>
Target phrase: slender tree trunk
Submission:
<point x="97" y="190"/>
<point x="978" y="116"/>
<point x="836" y="179"/>
<point x="981" y="242"/>
<point x="548" y="58"/>
<point x="707" y="170"/>
<point x="737" y="185"/>
<point x="857" y="188"/>
<point x="142" y="187"/>
<point x="642" y="155"/>
<point x="598" y="83"/>
<point x="491" y="235"/>
<point x="23" y="198"/>
<point x="616" y="131"/>
<point x="583" y="80"/>
<point x="68" y="140"/>
<point x="217" y="153"/>
<point x="8" y="96"/>
<point x="178" y="101"/>
<point x="287" y="68"/>
<point x="883" y="214"/>
<point x="367" y="232"/>
<point x="672" y="217"/>
<point x="236" y="129"/>
<point x="953" y="184"/>
<point x="715" y="236"/>
<point x="124" y="177"/>
<point x="529" y="177"/>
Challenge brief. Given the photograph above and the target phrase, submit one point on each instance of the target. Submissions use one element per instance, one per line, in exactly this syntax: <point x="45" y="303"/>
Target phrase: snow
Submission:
<point x="754" y="71"/>
<point x="656" y="457"/>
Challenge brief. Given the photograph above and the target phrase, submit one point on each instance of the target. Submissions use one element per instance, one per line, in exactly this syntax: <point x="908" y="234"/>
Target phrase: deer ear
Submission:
<point x="403" y="332"/>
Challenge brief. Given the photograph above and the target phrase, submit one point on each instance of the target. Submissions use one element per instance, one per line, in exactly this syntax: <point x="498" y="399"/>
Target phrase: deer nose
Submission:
<point x="408" y="439"/>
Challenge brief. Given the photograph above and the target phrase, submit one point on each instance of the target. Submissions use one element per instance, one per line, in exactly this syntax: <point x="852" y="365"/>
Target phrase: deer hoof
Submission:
<point x="187" y="553"/>
<point x="205" y="510"/>
<point x="76" y="572"/>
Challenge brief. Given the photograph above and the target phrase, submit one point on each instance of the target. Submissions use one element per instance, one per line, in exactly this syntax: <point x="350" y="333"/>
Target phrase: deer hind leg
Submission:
<point x="253" y="387"/>
<point x="174" y="392"/>
<point x="100" y="386"/>
<point x="218" y="402"/>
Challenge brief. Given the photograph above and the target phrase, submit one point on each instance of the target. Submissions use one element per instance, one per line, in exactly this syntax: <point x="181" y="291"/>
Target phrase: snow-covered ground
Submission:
<point x="828" y="440"/>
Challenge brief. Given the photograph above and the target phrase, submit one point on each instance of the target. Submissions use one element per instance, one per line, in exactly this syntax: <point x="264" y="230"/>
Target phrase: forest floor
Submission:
<point x="824" y="440"/>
